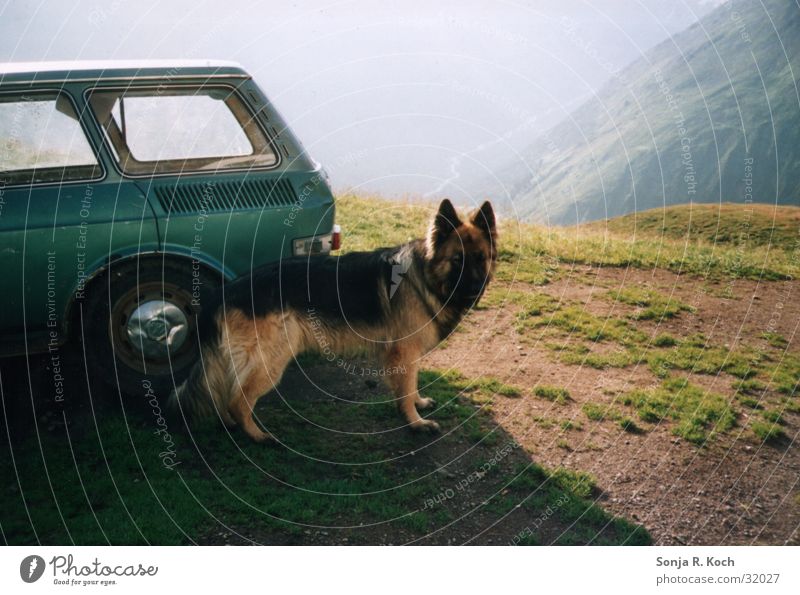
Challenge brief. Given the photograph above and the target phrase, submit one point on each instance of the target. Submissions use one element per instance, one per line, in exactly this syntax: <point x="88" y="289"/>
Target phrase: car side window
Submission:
<point x="43" y="141"/>
<point x="179" y="130"/>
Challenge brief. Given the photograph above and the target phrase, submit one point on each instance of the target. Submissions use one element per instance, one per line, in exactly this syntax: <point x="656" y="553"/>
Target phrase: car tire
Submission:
<point x="140" y="324"/>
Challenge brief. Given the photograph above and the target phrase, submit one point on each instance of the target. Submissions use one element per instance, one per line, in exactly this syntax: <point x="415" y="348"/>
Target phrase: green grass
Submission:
<point x="578" y="322"/>
<point x="536" y="304"/>
<point x="750" y="386"/>
<point x="535" y="254"/>
<point x="772" y="416"/>
<point x="586" y="340"/>
<point x="543" y="422"/>
<point x="535" y="271"/>
<point x="105" y="483"/>
<point x="235" y="481"/>
<point x="629" y="425"/>
<point x="499" y="296"/>
<point x="775" y="339"/>
<point x="650" y="304"/>
<point x="579" y="483"/>
<point x="665" y="340"/>
<point x="566" y="495"/>
<point x="698" y="415"/>
<point x="758" y="225"/>
<point x="692" y="355"/>
<point x="597" y="412"/>
<point x="750" y="402"/>
<point x="790" y="406"/>
<point x="587" y="246"/>
<point x="552" y="393"/>
<point x="368" y="223"/>
<point x="785" y="375"/>
<point x="600" y="342"/>
<point x="767" y="431"/>
<point x="580" y="354"/>
<point x="496" y="387"/>
<point x="569" y="424"/>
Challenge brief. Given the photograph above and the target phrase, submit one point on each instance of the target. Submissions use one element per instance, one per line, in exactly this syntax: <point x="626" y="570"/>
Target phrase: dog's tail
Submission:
<point x="207" y="390"/>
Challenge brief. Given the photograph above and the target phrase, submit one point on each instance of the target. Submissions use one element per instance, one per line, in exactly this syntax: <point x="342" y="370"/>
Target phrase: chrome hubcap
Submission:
<point x="157" y="328"/>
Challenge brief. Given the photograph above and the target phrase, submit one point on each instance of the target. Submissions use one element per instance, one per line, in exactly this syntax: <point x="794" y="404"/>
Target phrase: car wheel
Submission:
<point x="143" y="332"/>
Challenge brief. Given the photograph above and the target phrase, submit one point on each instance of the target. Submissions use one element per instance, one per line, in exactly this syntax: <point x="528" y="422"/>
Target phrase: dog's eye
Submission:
<point x="480" y="256"/>
<point x="456" y="259"/>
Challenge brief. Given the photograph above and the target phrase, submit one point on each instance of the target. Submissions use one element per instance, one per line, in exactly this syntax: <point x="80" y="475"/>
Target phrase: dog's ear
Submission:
<point x="444" y="223"/>
<point x="484" y="220"/>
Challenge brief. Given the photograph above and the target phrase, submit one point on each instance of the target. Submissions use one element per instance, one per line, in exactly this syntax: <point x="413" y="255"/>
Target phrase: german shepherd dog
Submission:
<point x="395" y="303"/>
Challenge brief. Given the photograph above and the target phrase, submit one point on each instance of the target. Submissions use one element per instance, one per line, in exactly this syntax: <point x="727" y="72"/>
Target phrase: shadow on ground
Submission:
<point x="98" y="468"/>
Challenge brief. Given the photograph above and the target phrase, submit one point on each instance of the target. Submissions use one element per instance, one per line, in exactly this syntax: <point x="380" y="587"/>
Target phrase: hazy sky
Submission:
<point x="414" y="97"/>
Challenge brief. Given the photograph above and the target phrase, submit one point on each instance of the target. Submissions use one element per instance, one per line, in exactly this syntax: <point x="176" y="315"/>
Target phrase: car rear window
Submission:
<point x="168" y="130"/>
<point x="43" y="141"/>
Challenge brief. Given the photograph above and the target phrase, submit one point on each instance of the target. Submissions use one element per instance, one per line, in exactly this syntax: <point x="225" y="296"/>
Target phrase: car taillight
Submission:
<point x="318" y="244"/>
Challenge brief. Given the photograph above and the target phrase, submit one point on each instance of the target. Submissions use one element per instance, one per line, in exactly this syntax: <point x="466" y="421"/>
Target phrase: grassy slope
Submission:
<point x="532" y="253"/>
<point x="756" y="225"/>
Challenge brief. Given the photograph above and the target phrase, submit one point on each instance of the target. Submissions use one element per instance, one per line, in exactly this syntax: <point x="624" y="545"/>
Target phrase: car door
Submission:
<point x="63" y="213"/>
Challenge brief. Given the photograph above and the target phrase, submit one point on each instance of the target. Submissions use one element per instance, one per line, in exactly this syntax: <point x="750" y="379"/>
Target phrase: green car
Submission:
<point x="131" y="190"/>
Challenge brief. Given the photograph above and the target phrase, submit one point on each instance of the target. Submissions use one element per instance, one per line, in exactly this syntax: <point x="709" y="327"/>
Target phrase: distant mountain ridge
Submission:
<point x="710" y="116"/>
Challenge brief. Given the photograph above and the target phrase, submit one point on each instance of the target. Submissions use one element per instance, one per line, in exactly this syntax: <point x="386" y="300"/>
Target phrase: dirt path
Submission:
<point x="737" y="490"/>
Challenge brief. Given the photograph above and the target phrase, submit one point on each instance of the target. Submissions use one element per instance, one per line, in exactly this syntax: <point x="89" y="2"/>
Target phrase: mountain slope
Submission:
<point x="719" y="224"/>
<point x="712" y="115"/>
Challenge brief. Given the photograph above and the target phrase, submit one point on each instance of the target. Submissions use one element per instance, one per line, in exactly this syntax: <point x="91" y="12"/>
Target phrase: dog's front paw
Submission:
<point x="425" y="403"/>
<point x="426" y="425"/>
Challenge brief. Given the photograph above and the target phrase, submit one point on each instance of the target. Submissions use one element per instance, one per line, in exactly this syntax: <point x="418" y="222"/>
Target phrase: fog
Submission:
<point x="410" y="99"/>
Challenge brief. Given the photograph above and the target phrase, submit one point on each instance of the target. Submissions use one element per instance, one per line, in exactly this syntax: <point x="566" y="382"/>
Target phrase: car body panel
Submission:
<point x="57" y="238"/>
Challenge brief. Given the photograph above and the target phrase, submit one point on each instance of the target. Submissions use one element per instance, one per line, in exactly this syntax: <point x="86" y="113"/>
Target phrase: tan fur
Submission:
<point x="258" y="352"/>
